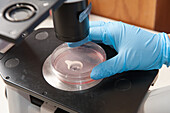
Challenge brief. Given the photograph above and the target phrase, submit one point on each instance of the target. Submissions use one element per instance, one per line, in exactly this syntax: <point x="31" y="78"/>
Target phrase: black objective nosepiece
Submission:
<point x="66" y="21"/>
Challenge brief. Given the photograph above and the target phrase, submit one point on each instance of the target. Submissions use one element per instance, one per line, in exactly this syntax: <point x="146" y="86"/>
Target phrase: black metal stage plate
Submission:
<point x="121" y="93"/>
<point x="15" y="31"/>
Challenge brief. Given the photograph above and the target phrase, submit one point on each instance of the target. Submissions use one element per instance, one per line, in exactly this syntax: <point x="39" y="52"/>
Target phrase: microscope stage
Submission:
<point x="21" y="67"/>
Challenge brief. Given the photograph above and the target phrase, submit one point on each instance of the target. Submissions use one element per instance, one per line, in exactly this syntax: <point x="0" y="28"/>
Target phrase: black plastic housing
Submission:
<point x="121" y="93"/>
<point x="14" y="31"/>
<point x="66" y="21"/>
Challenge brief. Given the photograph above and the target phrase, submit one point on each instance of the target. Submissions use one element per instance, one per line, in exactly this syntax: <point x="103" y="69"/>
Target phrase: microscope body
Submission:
<point x="21" y="66"/>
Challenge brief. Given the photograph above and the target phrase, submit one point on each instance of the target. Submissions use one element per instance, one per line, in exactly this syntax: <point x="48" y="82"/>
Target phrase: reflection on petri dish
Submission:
<point x="72" y="66"/>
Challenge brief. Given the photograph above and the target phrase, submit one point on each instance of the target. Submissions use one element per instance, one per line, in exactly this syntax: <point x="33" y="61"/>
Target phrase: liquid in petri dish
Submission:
<point x="77" y="61"/>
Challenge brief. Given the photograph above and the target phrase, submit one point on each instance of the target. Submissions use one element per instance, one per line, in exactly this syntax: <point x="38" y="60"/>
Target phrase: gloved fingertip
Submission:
<point x="107" y="68"/>
<point x="79" y="43"/>
<point x="100" y="71"/>
<point x="94" y="75"/>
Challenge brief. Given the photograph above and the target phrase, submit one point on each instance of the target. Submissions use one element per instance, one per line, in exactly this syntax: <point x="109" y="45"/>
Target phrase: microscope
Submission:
<point x="29" y="74"/>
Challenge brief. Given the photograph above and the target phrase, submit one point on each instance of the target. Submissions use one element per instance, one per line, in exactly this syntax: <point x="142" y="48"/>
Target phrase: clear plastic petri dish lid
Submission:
<point x="74" y="65"/>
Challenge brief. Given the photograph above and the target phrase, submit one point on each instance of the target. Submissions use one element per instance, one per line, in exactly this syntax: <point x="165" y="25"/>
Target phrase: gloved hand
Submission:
<point x="137" y="49"/>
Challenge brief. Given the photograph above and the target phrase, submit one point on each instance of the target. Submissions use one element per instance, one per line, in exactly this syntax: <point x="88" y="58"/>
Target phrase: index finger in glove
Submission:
<point x="107" y="33"/>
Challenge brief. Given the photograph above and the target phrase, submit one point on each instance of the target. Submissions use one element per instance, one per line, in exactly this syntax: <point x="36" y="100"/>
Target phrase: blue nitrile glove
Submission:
<point x="79" y="43"/>
<point x="137" y="49"/>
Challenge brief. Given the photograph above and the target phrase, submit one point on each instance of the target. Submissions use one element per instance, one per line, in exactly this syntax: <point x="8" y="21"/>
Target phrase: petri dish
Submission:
<point x="72" y="66"/>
